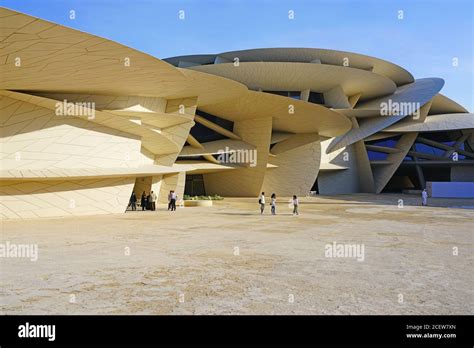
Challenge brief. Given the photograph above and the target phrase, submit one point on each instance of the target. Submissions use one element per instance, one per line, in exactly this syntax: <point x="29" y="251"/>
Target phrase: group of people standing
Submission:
<point x="261" y="201"/>
<point x="148" y="201"/>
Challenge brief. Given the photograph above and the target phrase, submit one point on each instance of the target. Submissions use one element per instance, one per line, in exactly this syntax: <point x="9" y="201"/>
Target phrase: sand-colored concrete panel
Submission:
<point x="383" y="173"/>
<point x="204" y="167"/>
<point x="337" y="98"/>
<point x="244" y="181"/>
<point x="40" y="139"/>
<point x="353" y="99"/>
<point x="181" y="106"/>
<point x="289" y="115"/>
<point x="34" y="199"/>
<point x="339" y="172"/>
<point x="173" y="182"/>
<point x="279" y="136"/>
<point x="193" y="142"/>
<point x="295" y="169"/>
<point x="209" y="88"/>
<point x="117" y="69"/>
<point x="366" y="176"/>
<point x="308" y="55"/>
<point x="381" y="135"/>
<point x="152" y="137"/>
<point x="413" y="96"/>
<point x="355" y="156"/>
<point x="88" y="173"/>
<point x="294" y="141"/>
<point x="359" y="113"/>
<point x="216" y="147"/>
<point x="434" y="123"/>
<point x="443" y="105"/>
<point x="290" y="76"/>
<point x="216" y="128"/>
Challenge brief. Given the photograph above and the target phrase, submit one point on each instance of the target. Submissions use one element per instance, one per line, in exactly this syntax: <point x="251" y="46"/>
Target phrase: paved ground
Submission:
<point x="186" y="263"/>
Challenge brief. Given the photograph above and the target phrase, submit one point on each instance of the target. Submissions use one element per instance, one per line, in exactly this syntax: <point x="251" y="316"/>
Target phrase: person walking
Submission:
<point x="295" y="205"/>
<point x="261" y="201"/>
<point x="170" y="197"/>
<point x="424" y="198"/>
<point x="273" y="203"/>
<point x="153" y="198"/>
<point x="143" y="200"/>
<point x="174" y="197"/>
<point x="133" y="201"/>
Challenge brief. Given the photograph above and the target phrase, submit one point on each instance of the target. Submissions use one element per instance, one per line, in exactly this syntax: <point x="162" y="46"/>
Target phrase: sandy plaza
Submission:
<point x="229" y="259"/>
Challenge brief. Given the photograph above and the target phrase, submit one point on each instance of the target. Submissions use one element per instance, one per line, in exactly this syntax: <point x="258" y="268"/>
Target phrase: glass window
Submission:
<point x="316" y="98"/>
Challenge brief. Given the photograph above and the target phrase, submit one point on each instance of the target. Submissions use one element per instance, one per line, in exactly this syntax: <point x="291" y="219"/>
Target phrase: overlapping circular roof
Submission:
<point x="382" y="67"/>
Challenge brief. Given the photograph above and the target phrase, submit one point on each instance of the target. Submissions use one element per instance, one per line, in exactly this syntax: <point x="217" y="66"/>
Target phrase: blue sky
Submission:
<point x="424" y="42"/>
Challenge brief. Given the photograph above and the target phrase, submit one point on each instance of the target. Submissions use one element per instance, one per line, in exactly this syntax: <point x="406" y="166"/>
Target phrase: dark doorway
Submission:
<point x="194" y="185"/>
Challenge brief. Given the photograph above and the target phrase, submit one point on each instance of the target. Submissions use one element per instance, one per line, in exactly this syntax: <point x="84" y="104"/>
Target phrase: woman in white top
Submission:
<point x="273" y="204"/>
<point x="295" y="205"/>
<point x="424" y="198"/>
<point x="261" y="201"/>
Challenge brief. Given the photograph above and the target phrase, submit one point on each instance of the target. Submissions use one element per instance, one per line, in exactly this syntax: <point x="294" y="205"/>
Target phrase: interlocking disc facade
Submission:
<point x="85" y="121"/>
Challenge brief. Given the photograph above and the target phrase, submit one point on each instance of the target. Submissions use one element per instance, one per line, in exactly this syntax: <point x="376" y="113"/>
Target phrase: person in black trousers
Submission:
<point x="143" y="201"/>
<point x="170" y="197"/>
<point x="133" y="201"/>
<point x="148" y="203"/>
<point x="174" y="197"/>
